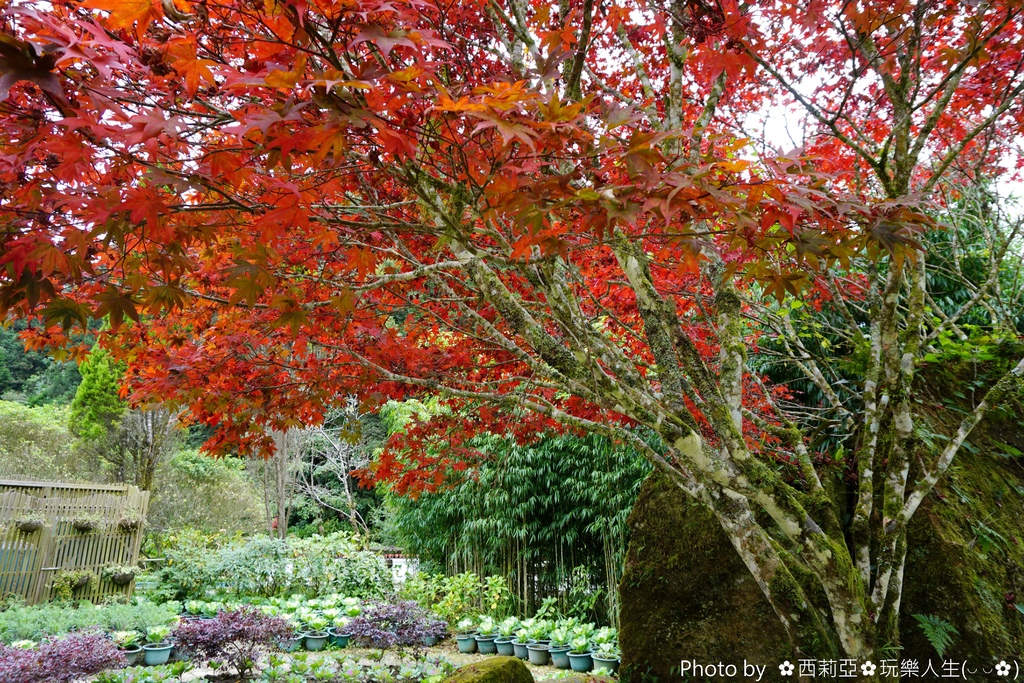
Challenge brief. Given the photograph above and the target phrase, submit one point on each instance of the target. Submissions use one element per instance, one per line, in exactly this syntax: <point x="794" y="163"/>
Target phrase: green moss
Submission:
<point x="492" y="670"/>
<point x="786" y="591"/>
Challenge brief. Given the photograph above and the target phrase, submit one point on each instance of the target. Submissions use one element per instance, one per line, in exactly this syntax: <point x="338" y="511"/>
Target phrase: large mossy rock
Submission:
<point x="966" y="557"/>
<point x="492" y="670"/>
<point x="685" y="593"/>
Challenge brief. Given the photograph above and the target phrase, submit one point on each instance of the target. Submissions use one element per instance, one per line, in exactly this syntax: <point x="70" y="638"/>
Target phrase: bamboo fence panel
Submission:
<point x="29" y="562"/>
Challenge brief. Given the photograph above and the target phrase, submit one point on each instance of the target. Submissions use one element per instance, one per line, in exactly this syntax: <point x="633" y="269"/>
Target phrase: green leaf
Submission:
<point x="66" y="312"/>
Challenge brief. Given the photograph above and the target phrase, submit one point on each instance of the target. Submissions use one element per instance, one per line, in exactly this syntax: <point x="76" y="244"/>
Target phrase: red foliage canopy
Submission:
<point x="298" y="200"/>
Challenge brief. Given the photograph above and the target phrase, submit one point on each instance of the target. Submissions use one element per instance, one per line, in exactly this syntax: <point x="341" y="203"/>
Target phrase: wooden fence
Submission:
<point x="30" y="562"/>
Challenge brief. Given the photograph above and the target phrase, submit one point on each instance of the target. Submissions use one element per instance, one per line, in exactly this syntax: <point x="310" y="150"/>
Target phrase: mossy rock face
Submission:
<point x="685" y="592"/>
<point x="966" y="562"/>
<point x="492" y="670"/>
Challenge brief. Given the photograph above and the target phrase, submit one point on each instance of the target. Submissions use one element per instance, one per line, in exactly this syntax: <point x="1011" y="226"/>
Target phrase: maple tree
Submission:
<point x="547" y="214"/>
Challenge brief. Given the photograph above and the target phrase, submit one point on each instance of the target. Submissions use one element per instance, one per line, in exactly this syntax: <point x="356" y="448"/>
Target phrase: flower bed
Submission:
<point x="300" y="668"/>
<point x="233" y="639"/>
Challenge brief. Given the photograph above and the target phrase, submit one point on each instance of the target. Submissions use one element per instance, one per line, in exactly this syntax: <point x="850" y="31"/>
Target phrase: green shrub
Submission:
<point x="257" y="567"/>
<point x="454" y="597"/>
<point x="361" y="574"/>
<point x="190" y="565"/>
<point x="35" y="442"/>
<point x="198" y="491"/>
<point x="200" y="565"/>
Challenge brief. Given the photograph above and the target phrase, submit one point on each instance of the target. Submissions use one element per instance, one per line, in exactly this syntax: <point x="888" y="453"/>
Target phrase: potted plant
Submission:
<point x="67" y="582"/>
<point x="559" y="647"/>
<point x="606" y="658"/>
<point x="537" y="633"/>
<point x="119" y="575"/>
<point x="269" y="610"/>
<point x="210" y="610"/>
<point x="30" y="523"/>
<point x="486" y="633"/>
<point x="157" y="650"/>
<point x="86" y="522"/>
<point x="538" y="653"/>
<point x="579" y="656"/>
<point x="506" y="632"/>
<point x="433" y="631"/>
<point x="605" y="634"/>
<point x="130" y="520"/>
<point x="583" y="630"/>
<point x="544" y="629"/>
<point x="519" y="643"/>
<point x="316" y="636"/>
<point x="465" y="636"/>
<point x="352" y="607"/>
<point x="339" y="636"/>
<point x="194" y="608"/>
<point x="128" y="641"/>
<point x="536" y="643"/>
<point x="292" y="643"/>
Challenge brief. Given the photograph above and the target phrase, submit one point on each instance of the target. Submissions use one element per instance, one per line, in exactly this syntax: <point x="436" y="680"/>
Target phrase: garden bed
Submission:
<point x="380" y="635"/>
<point x="369" y="657"/>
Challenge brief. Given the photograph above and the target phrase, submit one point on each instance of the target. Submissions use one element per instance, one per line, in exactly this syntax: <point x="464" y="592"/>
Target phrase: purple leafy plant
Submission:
<point x="60" y="660"/>
<point x="234" y="638"/>
<point x="389" y="624"/>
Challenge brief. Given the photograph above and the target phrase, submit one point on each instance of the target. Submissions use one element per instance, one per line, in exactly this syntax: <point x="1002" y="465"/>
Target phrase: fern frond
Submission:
<point x="939" y="632"/>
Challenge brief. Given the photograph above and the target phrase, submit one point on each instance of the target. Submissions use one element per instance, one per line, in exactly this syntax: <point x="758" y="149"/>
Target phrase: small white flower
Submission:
<point x="867" y="668"/>
<point x="786" y="668"/>
<point x="1003" y="669"/>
